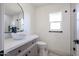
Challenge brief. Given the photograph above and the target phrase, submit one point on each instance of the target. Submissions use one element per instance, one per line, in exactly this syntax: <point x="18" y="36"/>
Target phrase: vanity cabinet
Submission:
<point x="28" y="49"/>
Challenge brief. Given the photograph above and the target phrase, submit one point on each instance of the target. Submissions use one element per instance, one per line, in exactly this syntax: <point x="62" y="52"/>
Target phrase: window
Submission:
<point x="55" y="20"/>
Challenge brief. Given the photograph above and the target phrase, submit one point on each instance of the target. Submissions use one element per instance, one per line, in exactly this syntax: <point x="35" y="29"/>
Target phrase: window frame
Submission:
<point x="53" y="30"/>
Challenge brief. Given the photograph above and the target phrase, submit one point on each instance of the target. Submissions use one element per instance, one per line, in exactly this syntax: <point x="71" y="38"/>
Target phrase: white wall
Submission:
<point x="1" y="27"/>
<point x="28" y="17"/>
<point x="57" y="42"/>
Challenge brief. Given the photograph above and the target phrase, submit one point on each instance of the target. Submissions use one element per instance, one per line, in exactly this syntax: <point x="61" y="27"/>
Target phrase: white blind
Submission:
<point x="55" y="20"/>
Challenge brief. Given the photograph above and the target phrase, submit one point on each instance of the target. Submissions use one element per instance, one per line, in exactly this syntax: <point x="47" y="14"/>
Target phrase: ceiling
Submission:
<point x="40" y="4"/>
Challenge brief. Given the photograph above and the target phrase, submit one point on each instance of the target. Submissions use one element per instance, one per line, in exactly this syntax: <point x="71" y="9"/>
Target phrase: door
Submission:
<point x="73" y="29"/>
<point x="77" y="45"/>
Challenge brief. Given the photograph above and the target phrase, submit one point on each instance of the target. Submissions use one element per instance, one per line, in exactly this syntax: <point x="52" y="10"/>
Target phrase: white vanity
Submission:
<point x="23" y="47"/>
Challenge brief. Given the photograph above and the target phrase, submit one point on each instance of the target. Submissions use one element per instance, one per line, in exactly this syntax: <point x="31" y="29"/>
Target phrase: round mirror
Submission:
<point x="13" y="17"/>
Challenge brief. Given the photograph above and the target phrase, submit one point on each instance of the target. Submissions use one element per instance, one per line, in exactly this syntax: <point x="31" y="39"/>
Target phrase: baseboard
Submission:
<point x="58" y="53"/>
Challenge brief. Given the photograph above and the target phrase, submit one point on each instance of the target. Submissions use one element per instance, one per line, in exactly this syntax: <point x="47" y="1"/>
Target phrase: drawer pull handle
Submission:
<point x="74" y="49"/>
<point x="32" y="42"/>
<point x="26" y="55"/>
<point x="29" y="51"/>
<point x="19" y="51"/>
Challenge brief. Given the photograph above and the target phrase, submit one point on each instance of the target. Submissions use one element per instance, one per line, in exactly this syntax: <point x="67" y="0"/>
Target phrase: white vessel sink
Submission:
<point x="18" y="36"/>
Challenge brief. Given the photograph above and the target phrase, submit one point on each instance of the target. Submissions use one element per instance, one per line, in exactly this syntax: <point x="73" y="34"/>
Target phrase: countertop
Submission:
<point x="11" y="44"/>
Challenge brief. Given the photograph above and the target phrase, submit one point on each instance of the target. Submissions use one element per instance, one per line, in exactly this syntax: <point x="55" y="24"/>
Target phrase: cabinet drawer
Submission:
<point x="12" y="53"/>
<point x="32" y="51"/>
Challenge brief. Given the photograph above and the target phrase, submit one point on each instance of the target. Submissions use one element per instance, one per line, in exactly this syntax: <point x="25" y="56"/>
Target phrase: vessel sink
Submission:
<point x="18" y="36"/>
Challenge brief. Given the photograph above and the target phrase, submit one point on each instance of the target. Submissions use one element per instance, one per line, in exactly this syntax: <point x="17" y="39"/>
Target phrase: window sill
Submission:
<point x="57" y="31"/>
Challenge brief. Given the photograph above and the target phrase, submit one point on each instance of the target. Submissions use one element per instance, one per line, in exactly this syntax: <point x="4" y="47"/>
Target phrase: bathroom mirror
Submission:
<point x="13" y="17"/>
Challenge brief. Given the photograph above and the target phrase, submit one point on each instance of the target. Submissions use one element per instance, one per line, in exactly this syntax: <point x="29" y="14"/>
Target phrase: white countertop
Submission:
<point x="10" y="44"/>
